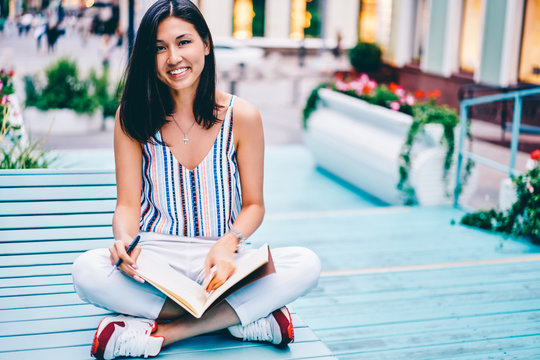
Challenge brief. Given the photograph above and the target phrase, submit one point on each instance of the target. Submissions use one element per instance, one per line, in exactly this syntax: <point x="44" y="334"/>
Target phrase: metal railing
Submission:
<point x="516" y="124"/>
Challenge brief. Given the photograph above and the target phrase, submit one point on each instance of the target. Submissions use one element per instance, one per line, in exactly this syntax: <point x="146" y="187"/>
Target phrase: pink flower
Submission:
<point x="394" y="105"/>
<point x="364" y="78"/>
<point x="5" y="100"/>
<point x="342" y="86"/>
<point x="529" y="187"/>
<point x="409" y="99"/>
<point x="399" y="91"/>
<point x="356" y="85"/>
<point x="371" y="84"/>
<point x="1" y="85"/>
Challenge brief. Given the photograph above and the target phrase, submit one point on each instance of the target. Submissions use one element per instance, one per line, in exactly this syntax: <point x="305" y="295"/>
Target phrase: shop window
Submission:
<point x="243" y="19"/>
<point x="248" y="18"/>
<point x="469" y="56"/>
<point x="529" y="68"/>
<point x="374" y="22"/>
<point x="305" y="19"/>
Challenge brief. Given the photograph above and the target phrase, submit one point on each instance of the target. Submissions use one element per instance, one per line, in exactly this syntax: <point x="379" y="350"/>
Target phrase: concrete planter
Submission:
<point x="60" y="122"/>
<point x="361" y="143"/>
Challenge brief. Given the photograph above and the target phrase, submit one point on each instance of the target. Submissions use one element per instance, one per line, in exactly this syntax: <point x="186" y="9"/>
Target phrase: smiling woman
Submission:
<point x="189" y="182"/>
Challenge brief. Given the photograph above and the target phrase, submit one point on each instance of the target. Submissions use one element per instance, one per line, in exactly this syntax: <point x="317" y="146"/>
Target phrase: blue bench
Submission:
<point x="48" y="218"/>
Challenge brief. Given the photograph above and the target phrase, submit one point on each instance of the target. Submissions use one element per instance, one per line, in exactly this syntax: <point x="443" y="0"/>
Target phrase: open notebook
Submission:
<point x="192" y="296"/>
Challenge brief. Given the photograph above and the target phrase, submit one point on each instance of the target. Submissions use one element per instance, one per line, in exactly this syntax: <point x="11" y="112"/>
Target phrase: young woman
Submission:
<point x="189" y="170"/>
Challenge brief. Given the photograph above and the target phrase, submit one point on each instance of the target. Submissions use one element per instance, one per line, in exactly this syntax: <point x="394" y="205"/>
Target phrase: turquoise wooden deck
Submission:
<point x="402" y="283"/>
<point x="397" y="282"/>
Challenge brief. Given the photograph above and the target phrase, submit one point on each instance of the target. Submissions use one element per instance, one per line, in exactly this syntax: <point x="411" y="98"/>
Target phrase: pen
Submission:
<point x="128" y="250"/>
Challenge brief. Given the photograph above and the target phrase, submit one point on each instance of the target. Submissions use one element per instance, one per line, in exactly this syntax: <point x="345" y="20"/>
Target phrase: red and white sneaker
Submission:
<point x="277" y="328"/>
<point x="125" y="336"/>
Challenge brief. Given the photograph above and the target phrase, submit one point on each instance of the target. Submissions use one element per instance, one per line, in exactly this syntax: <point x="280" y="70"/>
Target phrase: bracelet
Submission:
<point x="238" y="235"/>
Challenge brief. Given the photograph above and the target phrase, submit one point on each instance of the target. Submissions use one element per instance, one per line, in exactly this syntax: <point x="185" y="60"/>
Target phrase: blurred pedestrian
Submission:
<point x="40" y="28"/>
<point x="336" y="51"/>
<point x="53" y="33"/>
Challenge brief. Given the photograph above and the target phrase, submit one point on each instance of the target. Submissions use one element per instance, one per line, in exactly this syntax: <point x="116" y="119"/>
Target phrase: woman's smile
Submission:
<point x="179" y="72"/>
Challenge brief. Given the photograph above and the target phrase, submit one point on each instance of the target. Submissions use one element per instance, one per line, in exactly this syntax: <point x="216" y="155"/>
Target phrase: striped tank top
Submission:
<point x="201" y="202"/>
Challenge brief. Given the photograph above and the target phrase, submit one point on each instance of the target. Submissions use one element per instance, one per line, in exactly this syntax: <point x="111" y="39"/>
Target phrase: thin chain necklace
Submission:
<point x="186" y="139"/>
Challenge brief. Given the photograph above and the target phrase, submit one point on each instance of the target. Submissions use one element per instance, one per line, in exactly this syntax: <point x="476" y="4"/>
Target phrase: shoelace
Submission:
<point x="258" y="331"/>
<point x="132" y="342"/>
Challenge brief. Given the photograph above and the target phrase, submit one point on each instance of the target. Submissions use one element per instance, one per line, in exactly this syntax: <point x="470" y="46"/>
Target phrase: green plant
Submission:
<point x="16" y="152"/>
<point x="523" y="218"/>
<point x="423" y="114"/>
<point x="63" y="89"/>
<point x="366" y="57"/>
<point x="107" y="100"/>
<point x="19" y="154"/>
<point x="311" y="103"/>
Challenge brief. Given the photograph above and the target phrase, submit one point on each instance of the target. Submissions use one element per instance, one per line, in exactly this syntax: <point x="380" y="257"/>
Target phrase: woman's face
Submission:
<point x="180" y="54"/>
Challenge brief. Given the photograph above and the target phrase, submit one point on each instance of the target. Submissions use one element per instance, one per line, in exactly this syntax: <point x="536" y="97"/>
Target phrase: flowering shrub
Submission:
<point x="391" y="96"/>
<point x="419" y="104"/>
<point x="523" y="218"/>
<point x="16" y="152"/>
<point x="6" y="89"/>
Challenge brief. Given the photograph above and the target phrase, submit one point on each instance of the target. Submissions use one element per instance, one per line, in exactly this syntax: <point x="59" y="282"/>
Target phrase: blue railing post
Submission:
<point x="516" y="123"/>
<point x="463" y="123"/>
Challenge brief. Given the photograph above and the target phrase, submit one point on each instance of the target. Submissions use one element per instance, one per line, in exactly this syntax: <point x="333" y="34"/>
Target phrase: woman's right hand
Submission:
<point x="129" y="261"/>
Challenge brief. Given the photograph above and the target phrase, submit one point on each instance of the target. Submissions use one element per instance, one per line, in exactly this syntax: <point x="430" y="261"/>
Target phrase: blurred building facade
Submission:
<point x="493" y="42"/>
<point x="463" y="47"/>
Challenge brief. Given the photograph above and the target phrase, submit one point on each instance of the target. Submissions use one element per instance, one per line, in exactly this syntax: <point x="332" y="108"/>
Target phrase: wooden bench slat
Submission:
<point x="58" y="193"/>
<point x="32" y="301"/>
<point x="80" y="352"/>
<point x="56" y="207"/>
<point x="35" y="290"/>
<point x="44" y="341"/>
<point x="38" y="259"/>
<point x="51" y="246"/>
<point x="35" y="281"/>
<point x="50" y="312"/>
<point x="56" y="233"/>
<point x="54" y="221"/>
<point x="55" y="179"/>
<point x="43" y="270"/>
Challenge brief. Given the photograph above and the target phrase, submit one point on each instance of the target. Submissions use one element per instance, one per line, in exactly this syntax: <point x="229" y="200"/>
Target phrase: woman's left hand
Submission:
<point x="220" y="257"/>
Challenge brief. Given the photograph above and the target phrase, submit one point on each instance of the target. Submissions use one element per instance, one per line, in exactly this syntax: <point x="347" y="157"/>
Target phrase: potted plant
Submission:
<point x="522" y="218"/>
<point x="396" y="145"/>
<point x="366" y="58"/>
<point x="61" y="103"/>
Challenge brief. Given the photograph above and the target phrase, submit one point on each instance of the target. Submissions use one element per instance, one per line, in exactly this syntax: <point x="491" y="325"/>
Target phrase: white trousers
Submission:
<point x="297" y="272"/>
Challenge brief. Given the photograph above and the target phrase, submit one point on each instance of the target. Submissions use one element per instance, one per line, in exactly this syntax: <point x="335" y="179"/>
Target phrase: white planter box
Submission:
<point x="361" y="143"/>
<point x="60" y="122"/>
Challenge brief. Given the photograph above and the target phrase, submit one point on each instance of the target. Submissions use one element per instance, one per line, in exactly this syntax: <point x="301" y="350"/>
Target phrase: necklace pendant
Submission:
<point x="185" y="139"/>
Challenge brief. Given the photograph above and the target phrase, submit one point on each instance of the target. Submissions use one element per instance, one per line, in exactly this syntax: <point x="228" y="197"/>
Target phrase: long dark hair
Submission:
<point x="146" y="101"/>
